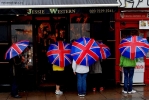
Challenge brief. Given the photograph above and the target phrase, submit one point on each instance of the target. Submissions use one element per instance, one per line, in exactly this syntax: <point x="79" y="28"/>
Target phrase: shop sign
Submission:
<point x="144" y="24"/>
<point x="140" y="67"/>
<point x="131" y="15"/>
<point x="71" y="10"/>
<point x="134" y="3"/>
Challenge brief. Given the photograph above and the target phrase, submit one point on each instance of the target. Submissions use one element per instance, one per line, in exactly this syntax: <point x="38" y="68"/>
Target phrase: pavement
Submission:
<point x="110" y="93"/>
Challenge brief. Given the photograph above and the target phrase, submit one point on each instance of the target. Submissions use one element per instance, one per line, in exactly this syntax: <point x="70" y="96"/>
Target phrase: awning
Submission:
<point x="57" y="3"/>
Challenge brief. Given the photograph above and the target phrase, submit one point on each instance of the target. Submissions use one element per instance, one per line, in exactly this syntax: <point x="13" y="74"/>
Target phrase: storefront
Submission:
<point x="129" y="18"/>
<point x="41" y="24"/>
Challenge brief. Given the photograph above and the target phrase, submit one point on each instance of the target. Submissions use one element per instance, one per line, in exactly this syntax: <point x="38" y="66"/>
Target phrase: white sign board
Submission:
<point x="140" y="67"/>
<point x="134" y="3"/>
<point x="138" y="73"/>
<point x="144" y="24"/>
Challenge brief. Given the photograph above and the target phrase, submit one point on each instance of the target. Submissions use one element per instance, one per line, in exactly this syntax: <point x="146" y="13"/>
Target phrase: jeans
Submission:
<point x="81" y="83"/>
<point x="14" y="86"/>
<point x="128" y="78"/>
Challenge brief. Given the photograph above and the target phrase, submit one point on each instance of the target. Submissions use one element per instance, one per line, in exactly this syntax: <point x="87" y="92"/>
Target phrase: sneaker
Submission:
<point x="83" y="95"/>
<point x="94" y="89"/>
<point x="124" y="91"/>
<point x="58" y="92"/>
<point x="133" y="91"/>
<point x="80" y="95"/>
<point x="101" y="89"/>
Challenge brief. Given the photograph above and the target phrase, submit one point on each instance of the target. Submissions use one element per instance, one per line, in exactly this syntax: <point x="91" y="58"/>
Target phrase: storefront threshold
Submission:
<point x="134" y="84"/>
<point x="4" y="84"/>
<point x="47" y="84"/>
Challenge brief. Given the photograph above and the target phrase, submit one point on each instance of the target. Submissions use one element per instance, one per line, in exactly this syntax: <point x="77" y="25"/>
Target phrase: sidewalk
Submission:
<point x="114" y="93"/>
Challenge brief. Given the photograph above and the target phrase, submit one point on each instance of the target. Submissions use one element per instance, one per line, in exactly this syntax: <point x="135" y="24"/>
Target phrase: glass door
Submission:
<point x="49" y="29"/>
<point x="141" y="67"/>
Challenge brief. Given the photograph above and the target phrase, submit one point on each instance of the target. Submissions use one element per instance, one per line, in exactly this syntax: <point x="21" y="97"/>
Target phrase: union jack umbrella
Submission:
<point x="134" y="47"/>
<point x="16" y="49"/>
<point x="104" y="50"/>
<point x="85" y="51"/>
<point x="59" y="54"/>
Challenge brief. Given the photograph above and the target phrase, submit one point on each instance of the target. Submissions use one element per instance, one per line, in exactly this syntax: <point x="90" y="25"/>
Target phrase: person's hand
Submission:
<point x="74" y="73"/>
<point x="26" y="66"/>
<point x="121" y="69"/>
<point x="23" y="58"/>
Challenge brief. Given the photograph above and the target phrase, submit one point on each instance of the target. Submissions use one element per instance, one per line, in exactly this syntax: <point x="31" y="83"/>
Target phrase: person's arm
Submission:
<point x="121" y="61"/>
<point x="74" y="66"/>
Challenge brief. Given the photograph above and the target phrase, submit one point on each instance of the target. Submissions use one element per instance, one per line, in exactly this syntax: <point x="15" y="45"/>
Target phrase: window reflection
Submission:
<point x="21" y="32"/>
<point x="79" y="26"/>
<point x="147" y="37"/>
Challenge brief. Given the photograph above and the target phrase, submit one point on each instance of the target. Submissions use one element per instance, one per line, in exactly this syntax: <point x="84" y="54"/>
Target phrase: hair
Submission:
<point x="134" y="32"/>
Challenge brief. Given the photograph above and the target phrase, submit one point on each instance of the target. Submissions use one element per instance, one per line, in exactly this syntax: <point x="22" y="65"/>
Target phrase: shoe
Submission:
<point x="101" y="89"/>
<point x="124" y="91"/>
<point x="58" y="92"/>
<point x="80" y="95"/>
<point x="17" y="96"/>
<point x="83" y="95"/>
<point x="94" y="89"/>
<point x="133" y="91"/>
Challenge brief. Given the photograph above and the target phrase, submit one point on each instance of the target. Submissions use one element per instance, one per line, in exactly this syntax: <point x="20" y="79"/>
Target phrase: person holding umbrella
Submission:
<point x="15" y="75"/>
<point x="58" y="76"/>
<point x="131" y="48"/>
<point x="96" y="76"/>
<point x="96" y="68"/>
<point x="59" y="56"/>
<point x="14" y="55"/>
<point x="128" y="66"/>
<point x="81" y="72"/>
<point x="85" y="51"/>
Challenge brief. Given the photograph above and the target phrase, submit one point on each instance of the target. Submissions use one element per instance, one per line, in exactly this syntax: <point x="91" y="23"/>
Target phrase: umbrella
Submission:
<point x="59" y="54"/>
<point x="104" y="50"/>
<point x="16" y="49"/>
<point x="134" y="47"/>
<point x="85" y="51"/>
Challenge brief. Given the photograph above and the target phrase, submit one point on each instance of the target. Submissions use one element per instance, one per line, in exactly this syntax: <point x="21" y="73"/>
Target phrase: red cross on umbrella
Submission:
<point x="59" y="54"/>
<point x="133" y="47"/>
<point x="85" y="51"/>
<point x="104" y="50"/>
<point x="16" y="49"/>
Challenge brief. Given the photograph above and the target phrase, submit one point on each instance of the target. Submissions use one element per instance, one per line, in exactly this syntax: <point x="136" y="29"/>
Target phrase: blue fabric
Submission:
<point x="14" y="86"/>
<point x="59" y="54"/>
<point x="128" y="78"/>
<point x="134" y="47"/>
<point x="85" y="51"/>
<point x="81" y="83"/>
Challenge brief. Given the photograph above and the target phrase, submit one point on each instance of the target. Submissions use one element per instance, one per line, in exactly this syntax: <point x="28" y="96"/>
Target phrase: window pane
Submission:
<point x="111" y="45"/>
<point x="3" y="33"/>
<point x="3" y="50"/>
<point x="21" y="32"/>
<point x="79" y="26"/>
<point x="147" y="37"/>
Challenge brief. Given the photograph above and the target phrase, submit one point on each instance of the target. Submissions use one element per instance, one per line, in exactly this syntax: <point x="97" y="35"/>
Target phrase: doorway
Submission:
<point x="48" y="29"/>
<point x="142" y="64"/>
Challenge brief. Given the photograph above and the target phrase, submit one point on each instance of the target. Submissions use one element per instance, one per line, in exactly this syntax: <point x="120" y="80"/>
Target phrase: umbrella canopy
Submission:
<point x="16" y="49"/>
<point x="85" y="51"/>
<point x="134" y="47"/>
<point x="104" y="50"/>
<point x="59" y="54"/>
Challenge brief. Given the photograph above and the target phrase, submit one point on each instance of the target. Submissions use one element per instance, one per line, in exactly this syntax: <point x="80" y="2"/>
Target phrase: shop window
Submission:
<point x="79" y="26"/>
<point x="3" y="50"/>
<point x="21" y="32"/>
<point x="147" y="37"/>
<point x="111" y="44"/>
<point x="3" y="33"/>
